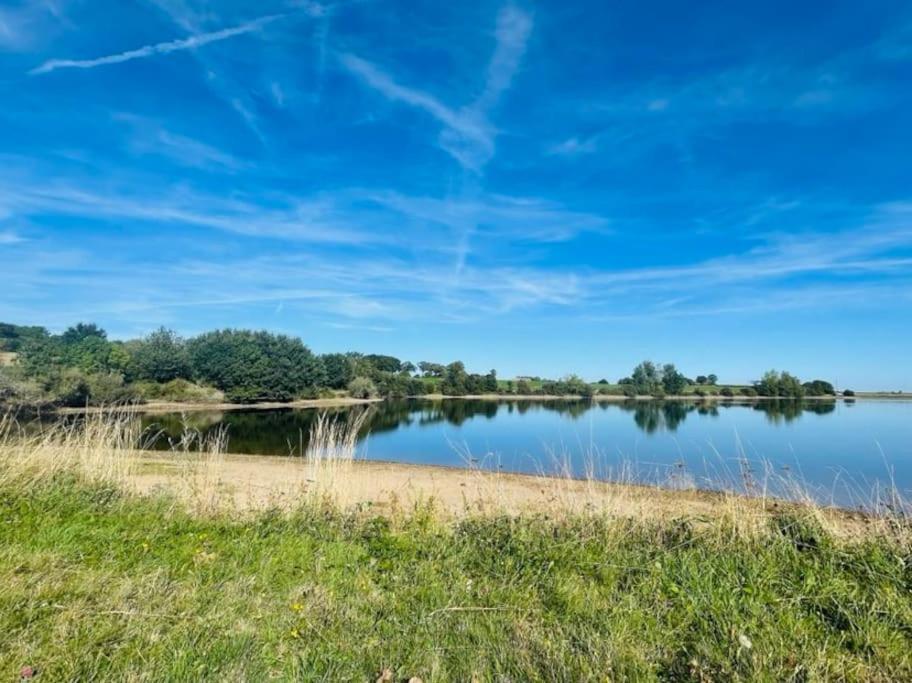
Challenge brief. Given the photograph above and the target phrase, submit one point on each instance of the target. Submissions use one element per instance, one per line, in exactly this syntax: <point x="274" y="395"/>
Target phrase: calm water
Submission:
<point x="840" y="452"/>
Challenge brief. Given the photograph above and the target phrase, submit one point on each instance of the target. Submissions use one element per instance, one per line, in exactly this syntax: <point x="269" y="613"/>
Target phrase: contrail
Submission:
<point x="190" y="43"/>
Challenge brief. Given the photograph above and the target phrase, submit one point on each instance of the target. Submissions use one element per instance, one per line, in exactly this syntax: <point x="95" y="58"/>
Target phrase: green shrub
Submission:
<point x="362" y="387"/>
<point x="727" y="392"/>
<point x="17" y="389"/>
<point x="848" y="392"/>
<point x="178" y="390"/>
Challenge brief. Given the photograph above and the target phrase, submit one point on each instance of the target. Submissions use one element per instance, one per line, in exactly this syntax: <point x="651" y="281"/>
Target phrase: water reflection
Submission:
<point x="284" y="432"/>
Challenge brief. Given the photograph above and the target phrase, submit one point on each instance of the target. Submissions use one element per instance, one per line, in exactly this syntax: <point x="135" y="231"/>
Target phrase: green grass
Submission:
<point x="98" y="585"/>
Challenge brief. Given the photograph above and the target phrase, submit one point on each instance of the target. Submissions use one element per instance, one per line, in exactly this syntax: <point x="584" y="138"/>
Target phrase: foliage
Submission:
<point x="382" y="363"/>
<point x="649" y="379"/>
<point x="399" y="385"/>
<point x="339" y="370"/>
<point x="429" y="369"/>
<point x="779" y="384"/>
<point x="362" y="387"/>
<point x="160" y="357"/>
<point x="16" y="388"/>
<point x="673" y="382"/>
<point x="255" y="366"/>
<point x="12" y="337"/>
<point x="177" y="390"/>
<point x="819" y="387"/>
<point x="848" y="392"/>
<point x="454" y="383"/>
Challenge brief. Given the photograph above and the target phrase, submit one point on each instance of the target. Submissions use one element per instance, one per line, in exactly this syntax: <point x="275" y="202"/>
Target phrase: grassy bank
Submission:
<point x="100" y="583"/>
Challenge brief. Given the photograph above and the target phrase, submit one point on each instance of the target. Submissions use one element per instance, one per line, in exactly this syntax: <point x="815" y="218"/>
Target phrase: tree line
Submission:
<point x="81" y="365"/>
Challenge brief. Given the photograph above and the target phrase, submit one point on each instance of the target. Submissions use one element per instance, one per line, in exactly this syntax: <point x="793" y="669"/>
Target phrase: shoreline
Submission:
<point x="255" y="482"/>
<point x="344" y="402"/>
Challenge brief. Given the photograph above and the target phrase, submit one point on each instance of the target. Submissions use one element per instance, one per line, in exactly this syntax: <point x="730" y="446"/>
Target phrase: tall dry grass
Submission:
<point x="97" y="448"/>
<point x="330" y="454"/>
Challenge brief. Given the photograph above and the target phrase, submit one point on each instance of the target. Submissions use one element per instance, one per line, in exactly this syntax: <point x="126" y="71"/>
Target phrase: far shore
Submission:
<point x="346" y="401"/>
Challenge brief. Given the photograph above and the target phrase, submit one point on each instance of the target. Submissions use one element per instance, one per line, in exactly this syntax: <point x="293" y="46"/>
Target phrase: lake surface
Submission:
<point x="845" y="453"/>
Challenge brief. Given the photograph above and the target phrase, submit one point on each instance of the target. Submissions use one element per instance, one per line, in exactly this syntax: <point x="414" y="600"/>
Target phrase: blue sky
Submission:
<point x="542" y="188"/>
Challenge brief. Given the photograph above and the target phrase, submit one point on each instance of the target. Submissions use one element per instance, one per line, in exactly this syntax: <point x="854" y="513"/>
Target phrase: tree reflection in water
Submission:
<point x="285" y="432"/>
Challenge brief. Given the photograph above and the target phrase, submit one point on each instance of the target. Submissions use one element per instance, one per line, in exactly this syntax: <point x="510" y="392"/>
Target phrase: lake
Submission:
<point x="844" y="453"/>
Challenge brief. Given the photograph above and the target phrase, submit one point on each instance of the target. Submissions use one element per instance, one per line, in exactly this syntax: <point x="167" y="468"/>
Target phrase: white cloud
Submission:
<point x="149" y="137"/>
<point x="467" y="135"/>
<point x="513" y="30"/>
<point x="190" y="43"/>
<point x="574" y="146"/>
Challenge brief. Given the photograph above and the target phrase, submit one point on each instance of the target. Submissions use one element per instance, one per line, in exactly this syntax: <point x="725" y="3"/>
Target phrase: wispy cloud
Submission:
<point x="191" y="43"/>
<point x="150" y="137"/>
<point x="354" y="216"/>
<point x="10" y="237"/>
<point x="574" y="146"/>
<point x="514" y="27"/>
<point x="467" y="135"/>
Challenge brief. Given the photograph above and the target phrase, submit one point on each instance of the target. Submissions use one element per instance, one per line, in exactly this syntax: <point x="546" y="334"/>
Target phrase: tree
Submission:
<point x="819" y="387"/>
<point x="701" y="379"/>
<point x="673" y="381"/>
<point x="255" y="366"/>
<point x="454" y="383"/>
<point x="429" y="369"/>
<point x="524" y="387"/>
<point x="778" y="384"/>
<point x="384" y="363"/>
<point x="490" y="382"/>
<point x="712" y="379"/>
<point x="646" y="378"/>
<point x="768" y="384"/>
<point x="339" y="370"/>
<point x="12" y="337"/>
<point x="82" y="331"/>
<point x="408" y="368"/>
<point x="160" y="357"/>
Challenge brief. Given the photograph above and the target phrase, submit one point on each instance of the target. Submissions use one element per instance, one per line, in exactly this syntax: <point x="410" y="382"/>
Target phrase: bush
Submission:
<point x="17" y="389"/>
<point x="749" y="391"/>
<point x="727" y="392"/>
<point x="178" y="390"/>
<point x="848" y="392"/>
<point x="71" y="389"/>
<point x="362" y="387"/>
<point x="109" y="387"/>
<point x="630" y="391"/>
